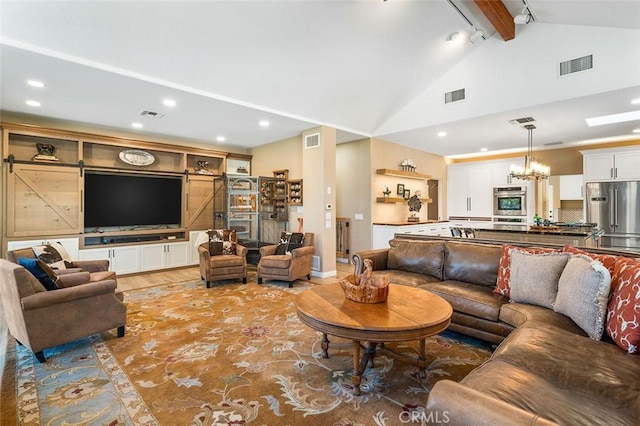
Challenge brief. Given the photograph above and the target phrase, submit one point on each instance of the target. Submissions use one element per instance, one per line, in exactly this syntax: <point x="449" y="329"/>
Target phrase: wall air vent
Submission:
<point x="152" y="114"/>
<point x="523" y="120"/>
<point x="575" y="65"/>
<point x="553" y="143"/>
<point x="454" y="96"/>
<point x="312" y="141"/>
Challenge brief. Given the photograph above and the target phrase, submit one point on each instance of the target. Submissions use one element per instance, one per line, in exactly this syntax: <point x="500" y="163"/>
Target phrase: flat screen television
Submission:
<point x="127" y="200"/>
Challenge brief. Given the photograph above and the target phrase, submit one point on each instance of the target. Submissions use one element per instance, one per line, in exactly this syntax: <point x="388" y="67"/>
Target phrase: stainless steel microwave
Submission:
<point x="510" y="201"/>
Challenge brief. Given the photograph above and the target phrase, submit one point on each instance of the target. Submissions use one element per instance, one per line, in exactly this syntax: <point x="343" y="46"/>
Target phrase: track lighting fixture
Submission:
<point x="525" y="16"/>
<point x="476" y="35"/>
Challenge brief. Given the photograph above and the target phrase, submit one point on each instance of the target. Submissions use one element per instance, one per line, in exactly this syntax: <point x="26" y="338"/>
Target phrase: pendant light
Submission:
<point x="532" y="170"/>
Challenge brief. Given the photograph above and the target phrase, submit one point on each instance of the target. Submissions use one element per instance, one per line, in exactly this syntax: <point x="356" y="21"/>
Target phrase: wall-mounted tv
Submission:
<point x="134" y="201"/>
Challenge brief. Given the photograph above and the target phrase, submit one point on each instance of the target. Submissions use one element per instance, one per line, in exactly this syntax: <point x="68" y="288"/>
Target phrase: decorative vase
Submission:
<point x="366" y="287"/>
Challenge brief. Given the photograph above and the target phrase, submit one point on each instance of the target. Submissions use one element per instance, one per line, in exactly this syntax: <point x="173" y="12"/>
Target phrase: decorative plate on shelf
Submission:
<point x="137" y="157"/>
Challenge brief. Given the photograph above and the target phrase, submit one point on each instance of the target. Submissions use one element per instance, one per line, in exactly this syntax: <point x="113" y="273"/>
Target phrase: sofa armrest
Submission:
<point x="455" y="404"/>
<point x="63" y="295"/>
<point x="241" y="251"/>
<point x="302" y="251"/>
<point x="73" y="279"/>
<point x="91" y="265"/>
<point x="378" y="257"/>
<point x="60" y="272"/>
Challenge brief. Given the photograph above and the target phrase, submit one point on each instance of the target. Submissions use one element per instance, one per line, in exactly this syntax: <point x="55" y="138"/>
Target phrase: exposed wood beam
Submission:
<point x="497" y="13"/>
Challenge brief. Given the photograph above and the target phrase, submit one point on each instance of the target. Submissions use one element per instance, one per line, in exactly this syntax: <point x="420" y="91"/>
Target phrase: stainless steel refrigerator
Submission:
<point x="615" y="207"/>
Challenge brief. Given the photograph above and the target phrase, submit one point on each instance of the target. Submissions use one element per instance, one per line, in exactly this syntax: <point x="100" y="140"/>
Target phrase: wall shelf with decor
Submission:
<point x="295" y="192"/>
<point x="398" y="200"/>
<point x="402" y="174"/>
<point x="279" y="193"/>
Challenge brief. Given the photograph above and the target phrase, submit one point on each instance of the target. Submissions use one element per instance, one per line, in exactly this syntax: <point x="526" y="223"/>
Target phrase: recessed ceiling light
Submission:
<point x="484" y="149"/>
<point x="33" y="103"/>
<point x="169" y="102"/>
<point x="636" y="131"/>
<point x="452" y="36"/>
<point x="442" y="134"/>
<point x="635" y="101"/>
<point x="35" y="83"/>
<point x="221" y="138"/>
<point x="264" y="123"/>
<point x="137" y="125"/>
<point x="613" y="118"/>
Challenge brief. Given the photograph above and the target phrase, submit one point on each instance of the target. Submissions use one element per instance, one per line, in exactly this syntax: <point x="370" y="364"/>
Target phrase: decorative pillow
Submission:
<point x="223" y="235"/>
<point x="504" y="269"/>
<point x="289" y="241"/>
<point x="229" y="248"/>
<point x="623" y="315"/>
<point x="583" y="294"/>
<point x="534" y="277"/>
<point x="53" y="254"/>
<point x="608" y="260"/>
<point x="35" y="266"/>
<point x="215" y="248"/>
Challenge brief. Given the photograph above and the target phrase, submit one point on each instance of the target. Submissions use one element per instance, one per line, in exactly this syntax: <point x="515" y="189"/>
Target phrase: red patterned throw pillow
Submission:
<point x="504" y="269"/>
<point x="623" y="314"/>
<point x="608" y="260"/>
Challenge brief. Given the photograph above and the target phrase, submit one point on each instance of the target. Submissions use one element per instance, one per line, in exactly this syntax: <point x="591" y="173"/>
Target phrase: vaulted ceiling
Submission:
<point x="366" y="67"/>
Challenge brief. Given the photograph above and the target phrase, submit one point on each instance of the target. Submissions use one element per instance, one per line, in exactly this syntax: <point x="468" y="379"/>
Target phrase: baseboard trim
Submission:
<point x="327" y="274"/>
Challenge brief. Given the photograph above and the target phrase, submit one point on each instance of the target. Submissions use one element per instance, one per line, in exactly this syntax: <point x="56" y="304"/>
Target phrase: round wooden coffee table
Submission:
<point x="408" y="314"/>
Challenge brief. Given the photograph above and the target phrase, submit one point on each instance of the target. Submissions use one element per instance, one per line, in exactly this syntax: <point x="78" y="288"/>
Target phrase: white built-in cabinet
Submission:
<point x="161" y="256"/>
<point x="500" y="173"/>
<point x="469" y="190"/>
<point x="602" y="165"/>
<point x="71" y="245"/>
<point x="122" y="260"/>
<point x="571" y="187"/>
<point x="382" y="234"/>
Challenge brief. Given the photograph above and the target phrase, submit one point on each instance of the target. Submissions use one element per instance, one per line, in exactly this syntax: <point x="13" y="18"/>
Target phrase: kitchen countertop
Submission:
<point x="568" y="230"/>
<point x="425" y="222"/>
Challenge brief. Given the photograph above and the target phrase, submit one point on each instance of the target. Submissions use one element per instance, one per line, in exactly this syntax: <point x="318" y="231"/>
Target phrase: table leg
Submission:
<point x="357" y="374"/>
<point x="422" y="359"/>
<point x="325" y="346"/>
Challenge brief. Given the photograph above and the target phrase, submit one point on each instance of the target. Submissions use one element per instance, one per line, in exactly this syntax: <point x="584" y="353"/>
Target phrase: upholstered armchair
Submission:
<point x="290" y="266"/>
<point x="96" y="270"/>
<point x="41" y="319"/>
<point x="215" y="267"/>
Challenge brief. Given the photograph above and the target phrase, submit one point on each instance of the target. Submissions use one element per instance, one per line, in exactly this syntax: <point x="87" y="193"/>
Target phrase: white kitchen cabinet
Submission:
<point x="122" y="260"/>
<point x="571" y="187"/>
<point x="160" y="256"/>
<point x="500" y="173"/>
<point x="602" y="165"/>
<point x="469" y="189"/>
<point x="382" y="234"/>
<point x="71" y="245"/>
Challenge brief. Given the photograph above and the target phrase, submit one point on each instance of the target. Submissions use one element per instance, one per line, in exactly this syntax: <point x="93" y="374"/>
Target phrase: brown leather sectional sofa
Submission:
<point x="545" y="369"/>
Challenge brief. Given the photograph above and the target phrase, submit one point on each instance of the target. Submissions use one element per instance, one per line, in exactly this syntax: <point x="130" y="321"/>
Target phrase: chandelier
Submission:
<point x="532" y="170"/>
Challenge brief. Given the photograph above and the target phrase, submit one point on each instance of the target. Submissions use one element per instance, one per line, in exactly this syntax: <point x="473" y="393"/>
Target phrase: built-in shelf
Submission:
<point x="398" y="200"/>
<point x="400" y="173"/>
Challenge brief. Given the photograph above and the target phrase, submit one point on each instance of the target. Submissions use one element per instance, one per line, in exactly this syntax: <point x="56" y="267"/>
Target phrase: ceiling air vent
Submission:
<point x="312" y="141"/>
<point x="455" y="96"/>
<point x="553" y="143"/>
<point x="152" y="114"/>
<point x="576" y="65"/>
<point x="523" y="120"/>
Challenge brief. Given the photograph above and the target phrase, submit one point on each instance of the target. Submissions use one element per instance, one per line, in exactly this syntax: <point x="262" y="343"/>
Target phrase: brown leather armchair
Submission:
<point x="286" y="267"/>
<point x="224" y="266"/>
<point x="41" y="319"/>
<point x="97" y="270"/>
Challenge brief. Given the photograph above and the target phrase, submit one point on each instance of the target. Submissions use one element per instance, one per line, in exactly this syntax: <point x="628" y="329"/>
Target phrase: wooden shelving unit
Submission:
<point x="400" y="173"/>
<point x="294" y="187"/>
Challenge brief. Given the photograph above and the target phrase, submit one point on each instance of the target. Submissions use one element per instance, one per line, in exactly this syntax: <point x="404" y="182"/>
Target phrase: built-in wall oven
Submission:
<point x="510" y="201"/>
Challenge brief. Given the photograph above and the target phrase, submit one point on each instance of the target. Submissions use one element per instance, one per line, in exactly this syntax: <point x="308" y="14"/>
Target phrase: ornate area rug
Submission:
<point x="232" y="354"/>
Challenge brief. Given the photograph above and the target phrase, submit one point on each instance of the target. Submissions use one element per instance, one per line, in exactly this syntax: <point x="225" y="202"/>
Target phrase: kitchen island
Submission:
<point x="578" y="236"/>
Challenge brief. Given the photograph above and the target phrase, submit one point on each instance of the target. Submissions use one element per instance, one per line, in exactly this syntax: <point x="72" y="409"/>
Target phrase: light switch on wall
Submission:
<point x="358" y="216"/>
